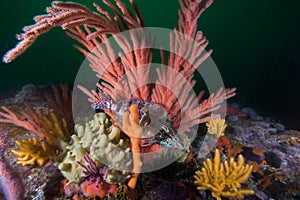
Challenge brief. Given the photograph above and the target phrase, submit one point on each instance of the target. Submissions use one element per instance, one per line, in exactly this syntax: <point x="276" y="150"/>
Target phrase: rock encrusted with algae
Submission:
<point x="122" y="193"/>
<point x="105" y="146"/>
<point x="10" y="183"/>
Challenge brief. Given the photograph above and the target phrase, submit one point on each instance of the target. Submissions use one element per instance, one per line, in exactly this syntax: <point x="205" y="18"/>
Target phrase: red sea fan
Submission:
<point x="90" y="29"/>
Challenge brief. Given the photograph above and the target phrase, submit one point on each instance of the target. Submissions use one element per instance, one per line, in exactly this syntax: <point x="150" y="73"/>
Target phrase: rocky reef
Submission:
<point x="265" y="144"/>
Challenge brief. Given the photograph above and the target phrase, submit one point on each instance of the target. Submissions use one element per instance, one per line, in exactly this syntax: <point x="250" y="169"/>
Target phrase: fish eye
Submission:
<point x="145" y="121"/>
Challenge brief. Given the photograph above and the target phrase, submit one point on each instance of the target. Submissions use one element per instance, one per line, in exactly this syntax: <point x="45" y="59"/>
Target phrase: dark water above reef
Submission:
<point x="256" y="47"/>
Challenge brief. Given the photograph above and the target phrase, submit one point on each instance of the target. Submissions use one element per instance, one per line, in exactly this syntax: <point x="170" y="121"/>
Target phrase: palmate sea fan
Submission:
<point x="90" y="29"/>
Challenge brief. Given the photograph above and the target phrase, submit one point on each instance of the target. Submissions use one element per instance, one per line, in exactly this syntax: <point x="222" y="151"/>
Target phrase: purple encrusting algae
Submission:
<point x="10" y="184"/>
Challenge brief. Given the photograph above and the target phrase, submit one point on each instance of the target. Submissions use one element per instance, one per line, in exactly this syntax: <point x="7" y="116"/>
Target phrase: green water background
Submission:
<point x="255" y="43"/>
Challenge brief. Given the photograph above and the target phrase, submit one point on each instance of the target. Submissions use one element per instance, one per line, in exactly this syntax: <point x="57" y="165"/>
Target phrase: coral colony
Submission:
<point x="133" y="118"/>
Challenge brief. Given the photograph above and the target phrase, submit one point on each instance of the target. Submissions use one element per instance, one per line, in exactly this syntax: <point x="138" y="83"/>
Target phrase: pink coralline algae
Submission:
<point x="10" y="183"/>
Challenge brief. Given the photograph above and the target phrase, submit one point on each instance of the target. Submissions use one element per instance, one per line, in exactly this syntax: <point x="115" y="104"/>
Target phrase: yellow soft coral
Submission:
<point x="32" y="151"/>
<point x="53" y="128"/>
<point x="216" y="127"/>
<point x="224" y="179"/>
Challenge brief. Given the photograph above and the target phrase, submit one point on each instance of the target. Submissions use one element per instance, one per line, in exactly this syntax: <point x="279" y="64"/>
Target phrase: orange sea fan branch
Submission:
<point x="31" y="125"/>
<point x="46" y="126"/>
<point x="70" y="14"/>
<point x="61" y="102"/>
<point x="93" y="95"/>
<point x="189" y="14"/>
<point x="197" y="114"/>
